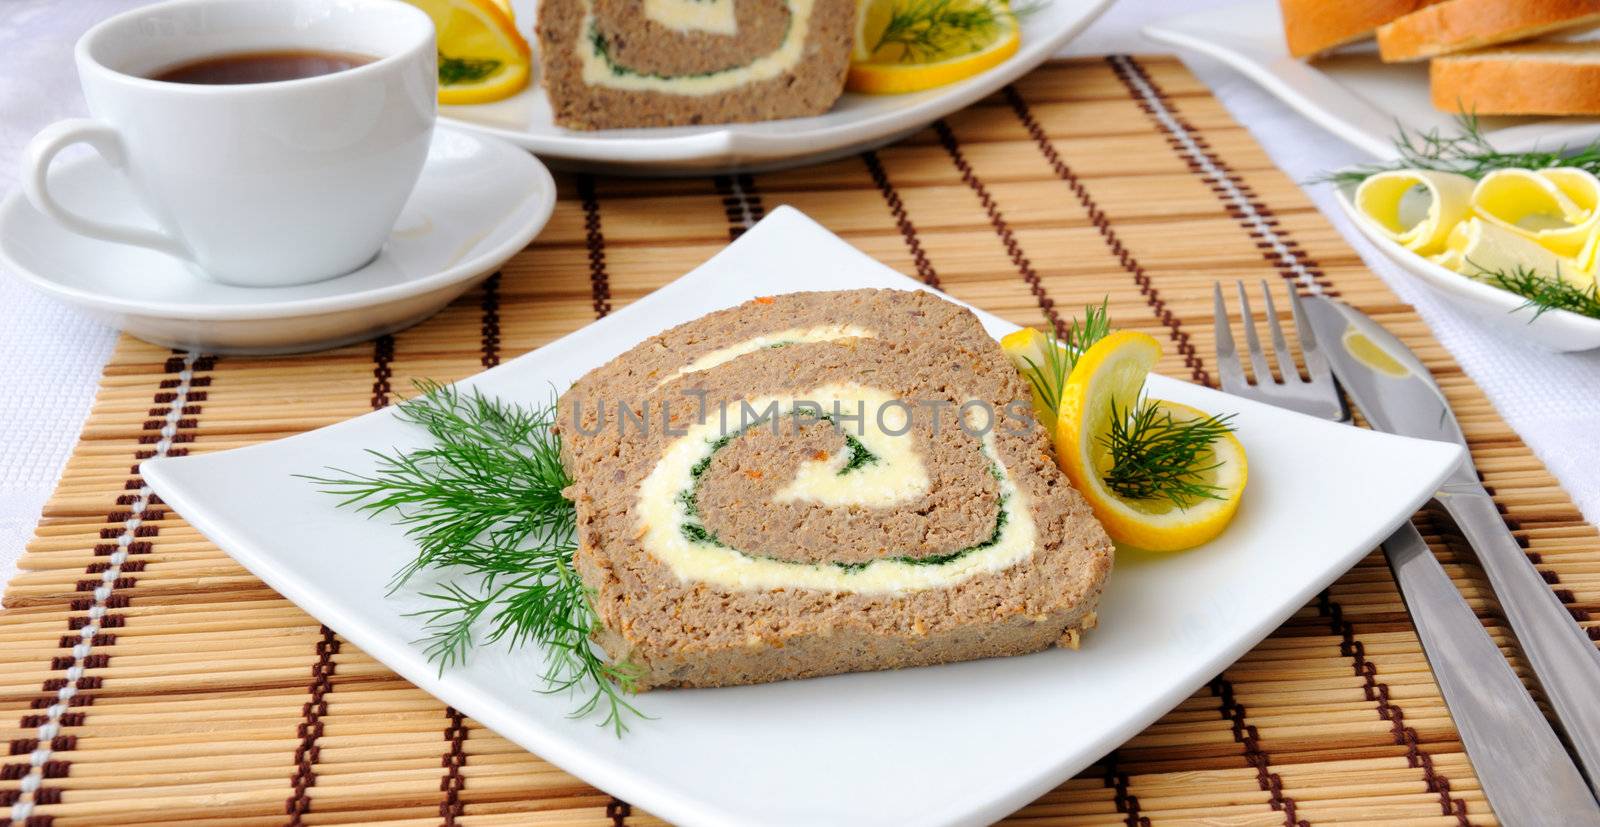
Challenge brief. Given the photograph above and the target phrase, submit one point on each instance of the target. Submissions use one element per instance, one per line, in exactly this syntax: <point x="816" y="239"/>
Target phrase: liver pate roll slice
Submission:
<point x="912" y="316"/>
<point x="865" y="503"/>
<point x="628" y="63"/>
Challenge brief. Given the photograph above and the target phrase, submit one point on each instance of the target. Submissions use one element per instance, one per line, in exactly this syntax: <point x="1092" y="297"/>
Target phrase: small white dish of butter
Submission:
<point x="1472" y="240"/>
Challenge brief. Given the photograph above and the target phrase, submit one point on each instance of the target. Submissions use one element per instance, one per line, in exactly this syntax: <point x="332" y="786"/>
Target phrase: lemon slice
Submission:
<point x="932" y="43"/>
<point x="1028" y="350"/>
<point x="872" y="18"/>
<point x="1111" y="373"/>
<point x="1109" y="376"/>
<point x="482" y="58"/>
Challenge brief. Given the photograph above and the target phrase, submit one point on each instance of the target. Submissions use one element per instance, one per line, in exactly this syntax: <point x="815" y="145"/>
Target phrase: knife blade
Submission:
<point x="1524" y="770"/>
<point x="1397" y="394"/>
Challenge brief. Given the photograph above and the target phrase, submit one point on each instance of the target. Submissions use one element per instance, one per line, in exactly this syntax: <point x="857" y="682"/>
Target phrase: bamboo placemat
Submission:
<point x="149" y="679"/>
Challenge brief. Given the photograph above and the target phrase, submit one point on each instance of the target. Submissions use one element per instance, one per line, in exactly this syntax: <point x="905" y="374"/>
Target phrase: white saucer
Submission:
<point x="479" y="202"/>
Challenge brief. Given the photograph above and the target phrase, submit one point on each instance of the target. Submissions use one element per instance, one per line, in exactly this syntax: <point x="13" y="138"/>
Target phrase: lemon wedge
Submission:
<point x="1111" y="373"/>
<point x="911" y="45"/>
<point x="1109" y="377"/>
<point x="482" y="58"/>
<point x="872" y="19"/>
<point x="1028" y="350"/>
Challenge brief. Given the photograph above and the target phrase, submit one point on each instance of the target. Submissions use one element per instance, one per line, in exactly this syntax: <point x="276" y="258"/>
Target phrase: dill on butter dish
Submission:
<point x="1524" y="222"/>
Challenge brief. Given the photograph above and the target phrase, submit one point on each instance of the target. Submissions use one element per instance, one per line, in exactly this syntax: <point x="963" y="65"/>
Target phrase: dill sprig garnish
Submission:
<point x="1544" y="293"/>
<point x="457" y="70"/>
<point x="1469" y="153"/>
<point x="925" y="30"/>
<point x="1153" y="455"/>
<point x="484" y="505"/>
<point x="1049" y="377"/>
<point x="1157" y="457"/>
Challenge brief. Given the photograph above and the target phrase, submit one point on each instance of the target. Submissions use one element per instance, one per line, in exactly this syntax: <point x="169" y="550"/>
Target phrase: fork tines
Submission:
<point x="1314" y="393"/>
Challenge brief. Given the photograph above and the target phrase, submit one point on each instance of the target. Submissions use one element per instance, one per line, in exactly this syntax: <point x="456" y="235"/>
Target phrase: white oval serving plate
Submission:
<point x="478" y="203"/>
<point x="1559" y="330"/>
<point x="1350" y="93"/>
<point x="855" y="123"/>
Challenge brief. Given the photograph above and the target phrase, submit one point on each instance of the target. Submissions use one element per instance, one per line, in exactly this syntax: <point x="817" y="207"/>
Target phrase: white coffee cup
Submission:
<point x="261" y="184"/>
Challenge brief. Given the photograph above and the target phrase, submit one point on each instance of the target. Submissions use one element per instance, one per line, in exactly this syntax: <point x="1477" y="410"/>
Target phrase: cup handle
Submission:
<point x="105" y="140"/>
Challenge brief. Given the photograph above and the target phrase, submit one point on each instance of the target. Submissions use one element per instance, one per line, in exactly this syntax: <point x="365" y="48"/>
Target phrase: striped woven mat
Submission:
<point x="145" y="678"/>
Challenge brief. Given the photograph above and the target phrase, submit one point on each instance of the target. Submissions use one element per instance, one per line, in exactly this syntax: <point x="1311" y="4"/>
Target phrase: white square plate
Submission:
<point x="1350" y="93"/>
<point x="959" y="744"/>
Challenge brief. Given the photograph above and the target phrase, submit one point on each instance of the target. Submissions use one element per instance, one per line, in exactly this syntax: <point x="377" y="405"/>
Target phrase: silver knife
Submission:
<point x="1523" y="769"/>
<point x="1396" y="393"/>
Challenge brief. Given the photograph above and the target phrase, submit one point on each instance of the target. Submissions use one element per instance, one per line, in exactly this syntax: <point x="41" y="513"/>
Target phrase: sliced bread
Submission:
<point x="627" y="63"/>
<point x="1315" y="26"/>
<point x="1528" y="79"/>
<point x="1462" y="25"/>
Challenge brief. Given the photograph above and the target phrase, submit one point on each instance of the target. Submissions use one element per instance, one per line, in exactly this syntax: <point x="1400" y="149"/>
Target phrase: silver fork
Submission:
<point x="1317" y="396"/>
<point x="1526" y="774"/>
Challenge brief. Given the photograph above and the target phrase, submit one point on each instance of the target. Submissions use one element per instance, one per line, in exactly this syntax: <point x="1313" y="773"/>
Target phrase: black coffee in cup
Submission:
<point x="259" y="67"/>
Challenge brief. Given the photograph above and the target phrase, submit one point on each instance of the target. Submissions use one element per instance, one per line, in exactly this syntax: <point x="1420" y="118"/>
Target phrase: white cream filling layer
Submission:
<point x="662" y="513"/>
<point x="710" y="16"/>
<point x="794" y="335"/>
<point x="598" y="71"/>
<point x="896" y="476"/>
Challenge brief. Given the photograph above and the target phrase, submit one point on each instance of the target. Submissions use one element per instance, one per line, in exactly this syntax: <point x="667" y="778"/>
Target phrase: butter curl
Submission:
<point x="1557" y="208"/>
<point x="1381" y="199"/>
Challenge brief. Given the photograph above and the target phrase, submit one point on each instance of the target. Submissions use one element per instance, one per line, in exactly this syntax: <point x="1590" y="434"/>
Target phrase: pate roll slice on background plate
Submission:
<point x="854" y="123"/>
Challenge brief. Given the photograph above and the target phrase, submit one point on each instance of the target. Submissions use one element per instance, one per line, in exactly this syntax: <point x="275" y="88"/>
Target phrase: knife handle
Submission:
<point x="1562" y="656"/>
<point x="1525" y="772"/>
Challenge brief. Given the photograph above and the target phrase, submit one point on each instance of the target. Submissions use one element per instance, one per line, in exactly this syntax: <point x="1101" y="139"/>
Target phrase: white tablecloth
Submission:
<point x="50" y="358"/>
